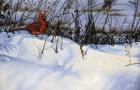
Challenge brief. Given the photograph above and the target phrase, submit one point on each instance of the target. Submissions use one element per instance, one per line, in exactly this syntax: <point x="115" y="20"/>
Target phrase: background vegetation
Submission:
<point x="84" y="21"/>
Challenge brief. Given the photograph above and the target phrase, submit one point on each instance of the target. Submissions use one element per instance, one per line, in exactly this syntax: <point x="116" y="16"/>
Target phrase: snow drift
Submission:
<point x="23" y="68"/>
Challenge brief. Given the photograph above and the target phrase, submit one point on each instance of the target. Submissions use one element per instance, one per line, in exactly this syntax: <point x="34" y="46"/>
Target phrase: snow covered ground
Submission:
<point x="103" y="68"/>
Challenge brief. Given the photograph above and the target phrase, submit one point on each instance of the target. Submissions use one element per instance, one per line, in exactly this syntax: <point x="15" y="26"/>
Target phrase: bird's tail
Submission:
<point x="17" y="28"/>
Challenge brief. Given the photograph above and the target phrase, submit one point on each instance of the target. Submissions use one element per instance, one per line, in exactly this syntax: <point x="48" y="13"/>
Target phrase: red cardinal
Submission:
<point x="38" y="27"/>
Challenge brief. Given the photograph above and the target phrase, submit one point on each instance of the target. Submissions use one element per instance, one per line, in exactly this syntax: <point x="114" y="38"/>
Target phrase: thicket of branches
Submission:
<point x="84" y="21"/>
